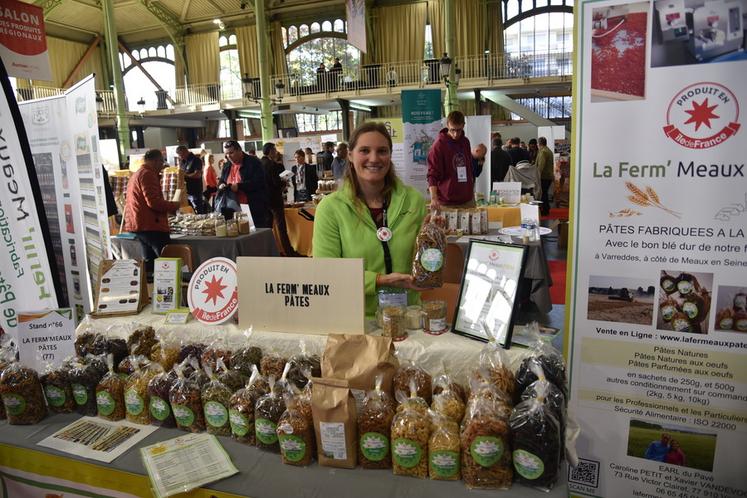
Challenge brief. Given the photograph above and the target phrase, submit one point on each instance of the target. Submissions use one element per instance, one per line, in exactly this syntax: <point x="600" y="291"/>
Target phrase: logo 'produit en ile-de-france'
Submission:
<point x="702" y="115"/>
<point x="213" y="293"/>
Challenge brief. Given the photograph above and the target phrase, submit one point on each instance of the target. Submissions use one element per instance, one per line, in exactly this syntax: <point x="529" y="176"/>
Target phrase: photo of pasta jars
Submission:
<point x="684" y="301"/>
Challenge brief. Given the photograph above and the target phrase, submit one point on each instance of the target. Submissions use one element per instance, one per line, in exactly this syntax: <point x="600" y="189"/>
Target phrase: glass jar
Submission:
<point x="393" y="321"/>
<point x="220" y="227"/>
<point x="414" y="317"/>
<point x="435" y="317"/>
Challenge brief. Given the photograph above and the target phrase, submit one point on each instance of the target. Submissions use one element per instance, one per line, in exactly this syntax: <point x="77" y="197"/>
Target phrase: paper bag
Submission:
<point x="358" y="359"/>
<point x="335" y="423"/>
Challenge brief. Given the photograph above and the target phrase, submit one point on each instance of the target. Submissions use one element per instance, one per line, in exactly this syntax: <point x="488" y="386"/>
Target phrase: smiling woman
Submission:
<point x="374" y="216"/>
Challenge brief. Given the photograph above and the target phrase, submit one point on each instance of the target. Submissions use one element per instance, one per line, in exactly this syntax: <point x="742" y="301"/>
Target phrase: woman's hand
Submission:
<point x="400" y="280"/>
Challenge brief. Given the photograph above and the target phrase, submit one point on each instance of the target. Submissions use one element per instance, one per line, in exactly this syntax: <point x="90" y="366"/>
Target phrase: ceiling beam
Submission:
<point x="171" y="24"/>
<point x="185" y="9"/>
<point x="83" y="59"/>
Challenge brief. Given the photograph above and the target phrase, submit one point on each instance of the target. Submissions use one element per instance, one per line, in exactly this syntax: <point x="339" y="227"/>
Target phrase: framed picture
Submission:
<point x="490" y="284"/>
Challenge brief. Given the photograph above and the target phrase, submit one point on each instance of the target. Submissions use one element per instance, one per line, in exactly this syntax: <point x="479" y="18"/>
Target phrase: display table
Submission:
<point x="300" y="230"/>
<point x="261" y="474"/>
<point x="259" y="243"/>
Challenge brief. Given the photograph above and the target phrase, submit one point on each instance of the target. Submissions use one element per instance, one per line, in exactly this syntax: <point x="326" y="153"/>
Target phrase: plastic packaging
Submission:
<point x="166" y="350"/>
<point x="216" y="399"/>
<point x="551" y="361"/>
<point x="131" y="363"/>
<point x="448" y="402"/>
<point x="494" y="368"/>
<point x="423" y="381"/>
<point x="537" y="447"/>
<point x="22" y="395"/>
<point x="485" y="444"/>
<point x="142" y="340"/>
<point x="57" y="389"/>
<point x="84" y="377"/>
<point x="218" y="349"/>
<point x="430" y="251"/>
<point x="246" y="357"/>
<point x="305" y="361"/>
<point x="110" y="394"/>
<point x="232" y="379"/>
<point x="374" y="428"/>
<point x="137" y="399"/>
<point x="186" y="403"/>
<point x="198" y="375"/>
<point x="267" y="413"/>
<point x="241" y="408"/>
<point x="188" y="349"/>
<point x="272" y="365"/>
<point x="295" y="435"/>
<point x="158" y="399"/>
<point x="410" y="435"/>
<point x="444" y="462"/>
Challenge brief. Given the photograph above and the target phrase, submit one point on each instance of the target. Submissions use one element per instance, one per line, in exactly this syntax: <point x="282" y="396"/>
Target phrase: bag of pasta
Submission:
<point x="57" y="388"/>
<point x="216" y="399"/>
<point x="410" y="435"/>
<point x="166" y="350"/>
<point x="246" y="357"/>
<point x="241" y="407"/>
<point x="267" y="413"/>
<point x="193" y="349"/>
<point x="131" y="363"/>
<point x="443" y="449"/>
<point x="158" y="399"/>
<point x="186" y="403"/>
<point x="218" y="349"/>
<point x="84" y="377"/>
<point x="110" y="394"/>
<point x="430" y="254"/>
<point x="272" y="365"/>
<point x="485" y="441"/>
<point x="448" y="398"/>
<point x="549" y="358"/>
<point x="374" y="428"/>
<point x="141" y="340"/>
<point x="232" y="379"/>
<point x="137" y="399"/>
<point x="7" y="357"/>
<point x="493" y="367"/>
<point x="197" y="374"/>
<point x="537" y="438"/>
<point x="295" y="435"/>
<point x="305" y="361"/>
<point x="335" y="423"/>
<point x="408" y="372"/>
<point x="22" y="395"/>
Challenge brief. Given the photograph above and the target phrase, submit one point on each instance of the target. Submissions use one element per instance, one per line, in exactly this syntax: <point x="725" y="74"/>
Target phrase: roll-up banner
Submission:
<point x="356" y="17"/>
<point x="27" y="267"/>
<point x="659" y="255"/>
<point x="421" y="114"/>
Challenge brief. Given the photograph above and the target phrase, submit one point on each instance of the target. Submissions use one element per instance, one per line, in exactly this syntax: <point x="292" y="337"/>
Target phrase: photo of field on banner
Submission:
<point x="487" y="298"/>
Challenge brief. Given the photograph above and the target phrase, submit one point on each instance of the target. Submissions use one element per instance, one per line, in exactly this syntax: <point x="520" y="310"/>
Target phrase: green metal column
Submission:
<point x="451" y="103"/>
<point x="110" y="31"/>
<point x="264" y="70"/>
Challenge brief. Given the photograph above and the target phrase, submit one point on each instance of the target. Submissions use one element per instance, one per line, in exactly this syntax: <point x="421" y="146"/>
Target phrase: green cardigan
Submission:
<point x="343" y="228"/>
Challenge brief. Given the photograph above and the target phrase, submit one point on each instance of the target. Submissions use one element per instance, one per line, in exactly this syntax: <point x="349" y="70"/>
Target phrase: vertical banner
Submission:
<point x="356" y="16"/>
<point x="659" y="201"/>
<point x="23" y="40"/>
<point x="27" y="265"/>
<point x="421" y="114"/>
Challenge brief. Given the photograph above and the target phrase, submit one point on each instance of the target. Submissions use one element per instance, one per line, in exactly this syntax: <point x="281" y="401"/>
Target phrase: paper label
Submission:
<point x="133" y="402"/>
<point x="55" y="395"/>
<point x="374" y="446"/>
<point x="105" y="403"/>
<point x="293" y="447"/>
<point x="183" y="415"/>
<point x="462" y="174"/>
<point x="239" y="423"/>
<point x="528" y="465"/>
<point x="432" y="259"/>
<point x="80" y="394"/>
<point x="436" y="324"/>
<point x="444" y="464"/>
<point x="159" y="408"/>
<point x="333" y="440"/>
<point x="14" y="404"/>
<point x="216" y="414"/>
<point x="360" y="397"/>
<point x="486" y="450"/>
<point x="265" y="431"/>
<point x="406" y="452"/>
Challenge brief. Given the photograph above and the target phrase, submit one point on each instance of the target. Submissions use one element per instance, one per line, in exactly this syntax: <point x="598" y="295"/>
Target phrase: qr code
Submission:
<point x="586" y="473"/>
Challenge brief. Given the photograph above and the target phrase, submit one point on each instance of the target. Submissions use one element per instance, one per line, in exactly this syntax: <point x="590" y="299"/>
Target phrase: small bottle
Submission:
<point x="493" y="197"/>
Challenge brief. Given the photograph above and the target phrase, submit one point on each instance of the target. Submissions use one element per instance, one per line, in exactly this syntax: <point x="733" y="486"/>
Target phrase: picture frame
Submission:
<point x="489" y="290"/>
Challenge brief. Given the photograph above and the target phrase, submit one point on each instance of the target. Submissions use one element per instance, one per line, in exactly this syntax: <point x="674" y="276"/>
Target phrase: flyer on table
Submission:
<point x="659" y="315"/>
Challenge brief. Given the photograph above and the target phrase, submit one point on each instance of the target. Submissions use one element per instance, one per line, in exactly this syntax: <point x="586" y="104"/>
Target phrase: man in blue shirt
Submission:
<point x="657" y="450"/>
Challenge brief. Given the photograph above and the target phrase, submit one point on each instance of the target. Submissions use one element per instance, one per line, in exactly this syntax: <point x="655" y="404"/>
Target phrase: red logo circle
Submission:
<point x="702" y="115"/>
<point x="213" y="295"/>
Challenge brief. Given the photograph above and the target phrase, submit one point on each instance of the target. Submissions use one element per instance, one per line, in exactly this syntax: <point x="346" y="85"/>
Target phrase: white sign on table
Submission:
<point x="510" y="192"/>
<point x="46" y="337"/>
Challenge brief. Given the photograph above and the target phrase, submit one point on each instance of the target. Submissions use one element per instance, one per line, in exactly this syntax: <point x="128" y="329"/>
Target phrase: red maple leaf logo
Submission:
<point x="701" y="114"/>
<point x="214" y="290"/>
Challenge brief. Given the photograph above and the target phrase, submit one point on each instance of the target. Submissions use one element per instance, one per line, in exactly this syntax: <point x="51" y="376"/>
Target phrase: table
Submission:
<point x="258" y="243"/>
<point x="261" y="474"/>
<point x="300" y="230"/>
<point x="536" y="274"/>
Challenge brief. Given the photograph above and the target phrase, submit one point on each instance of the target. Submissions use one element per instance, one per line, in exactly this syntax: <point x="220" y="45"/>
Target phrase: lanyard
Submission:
<point x="384" y="234"/>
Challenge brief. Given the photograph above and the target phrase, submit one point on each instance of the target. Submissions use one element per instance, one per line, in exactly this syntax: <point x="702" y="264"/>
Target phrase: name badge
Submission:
<point x="462" y="174"/>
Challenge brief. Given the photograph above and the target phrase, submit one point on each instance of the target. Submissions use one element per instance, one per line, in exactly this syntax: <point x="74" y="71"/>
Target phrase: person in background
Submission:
<point x="675" y="455"/>
<point x="350" y="222"/>
<point x="252" y="151"/>
<point x="657" y="450"/>
<point x="545" y="162"/>
<point x="452" y="166"/>
<point x="192" y="167"/>
<point x="244" y="176"/>
<point x="523" y="145"/>
<point x="210" y="178"/>
<point x="499" y="161"/>
<point x="516" y="152"/>
<point x="321" y="78"/>
<point x="340" y="163"/>
<point x="334" y="73"/>
<point x="146" y="211"/>
<point x="325" y="157"/>
<point x="272" y="163"/>
<point x="391" y="77"/>
<point x="532" y="150"/>
<point x="304" y="178"/>
<point x="309" y="155"/>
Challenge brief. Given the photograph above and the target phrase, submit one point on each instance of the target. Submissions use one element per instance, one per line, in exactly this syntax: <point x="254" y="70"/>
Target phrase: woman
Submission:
<point x="304" y="178"/>
<point x="209" y="178"/>
<point x="349" y="223"/>
<point x="675" y="455"/>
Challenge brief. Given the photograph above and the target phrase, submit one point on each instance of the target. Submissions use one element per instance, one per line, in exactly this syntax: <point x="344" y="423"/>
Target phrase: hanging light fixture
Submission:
<point x="99" y="102"/>
<point x="141" y="105"/>
<point x="279" y="90"/>
<point x="445" y="66"/>
<point x="247" y="85"/>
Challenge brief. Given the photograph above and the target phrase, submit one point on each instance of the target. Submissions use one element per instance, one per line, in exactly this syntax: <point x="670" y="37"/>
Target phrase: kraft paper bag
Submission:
<point x="335" y="423"/>
<point x="359" y="359"/>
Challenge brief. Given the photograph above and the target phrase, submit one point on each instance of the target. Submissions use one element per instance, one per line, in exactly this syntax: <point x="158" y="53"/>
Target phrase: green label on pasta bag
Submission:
<point x="486" y="450"/>
<point x="14" y="404"/>
<point x="55" y="395"/>
<point x="293" y="447"/>
<point x="133" y="402"/>
<point x="80" y="394"/>
<point x="374" y="446"/>
<point x="239" y="423"/>
<point x="265" y="431"/>
<point x="215" y="414"/>
<point x="406" y="452"/>
<point x="105" y="402"/>
<point x="444" y="464"/>
<point x="159" y="408"/>
<point x="183" y="415"/>
<point x="432" y="259"/>
<point x="528" y="465"/>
